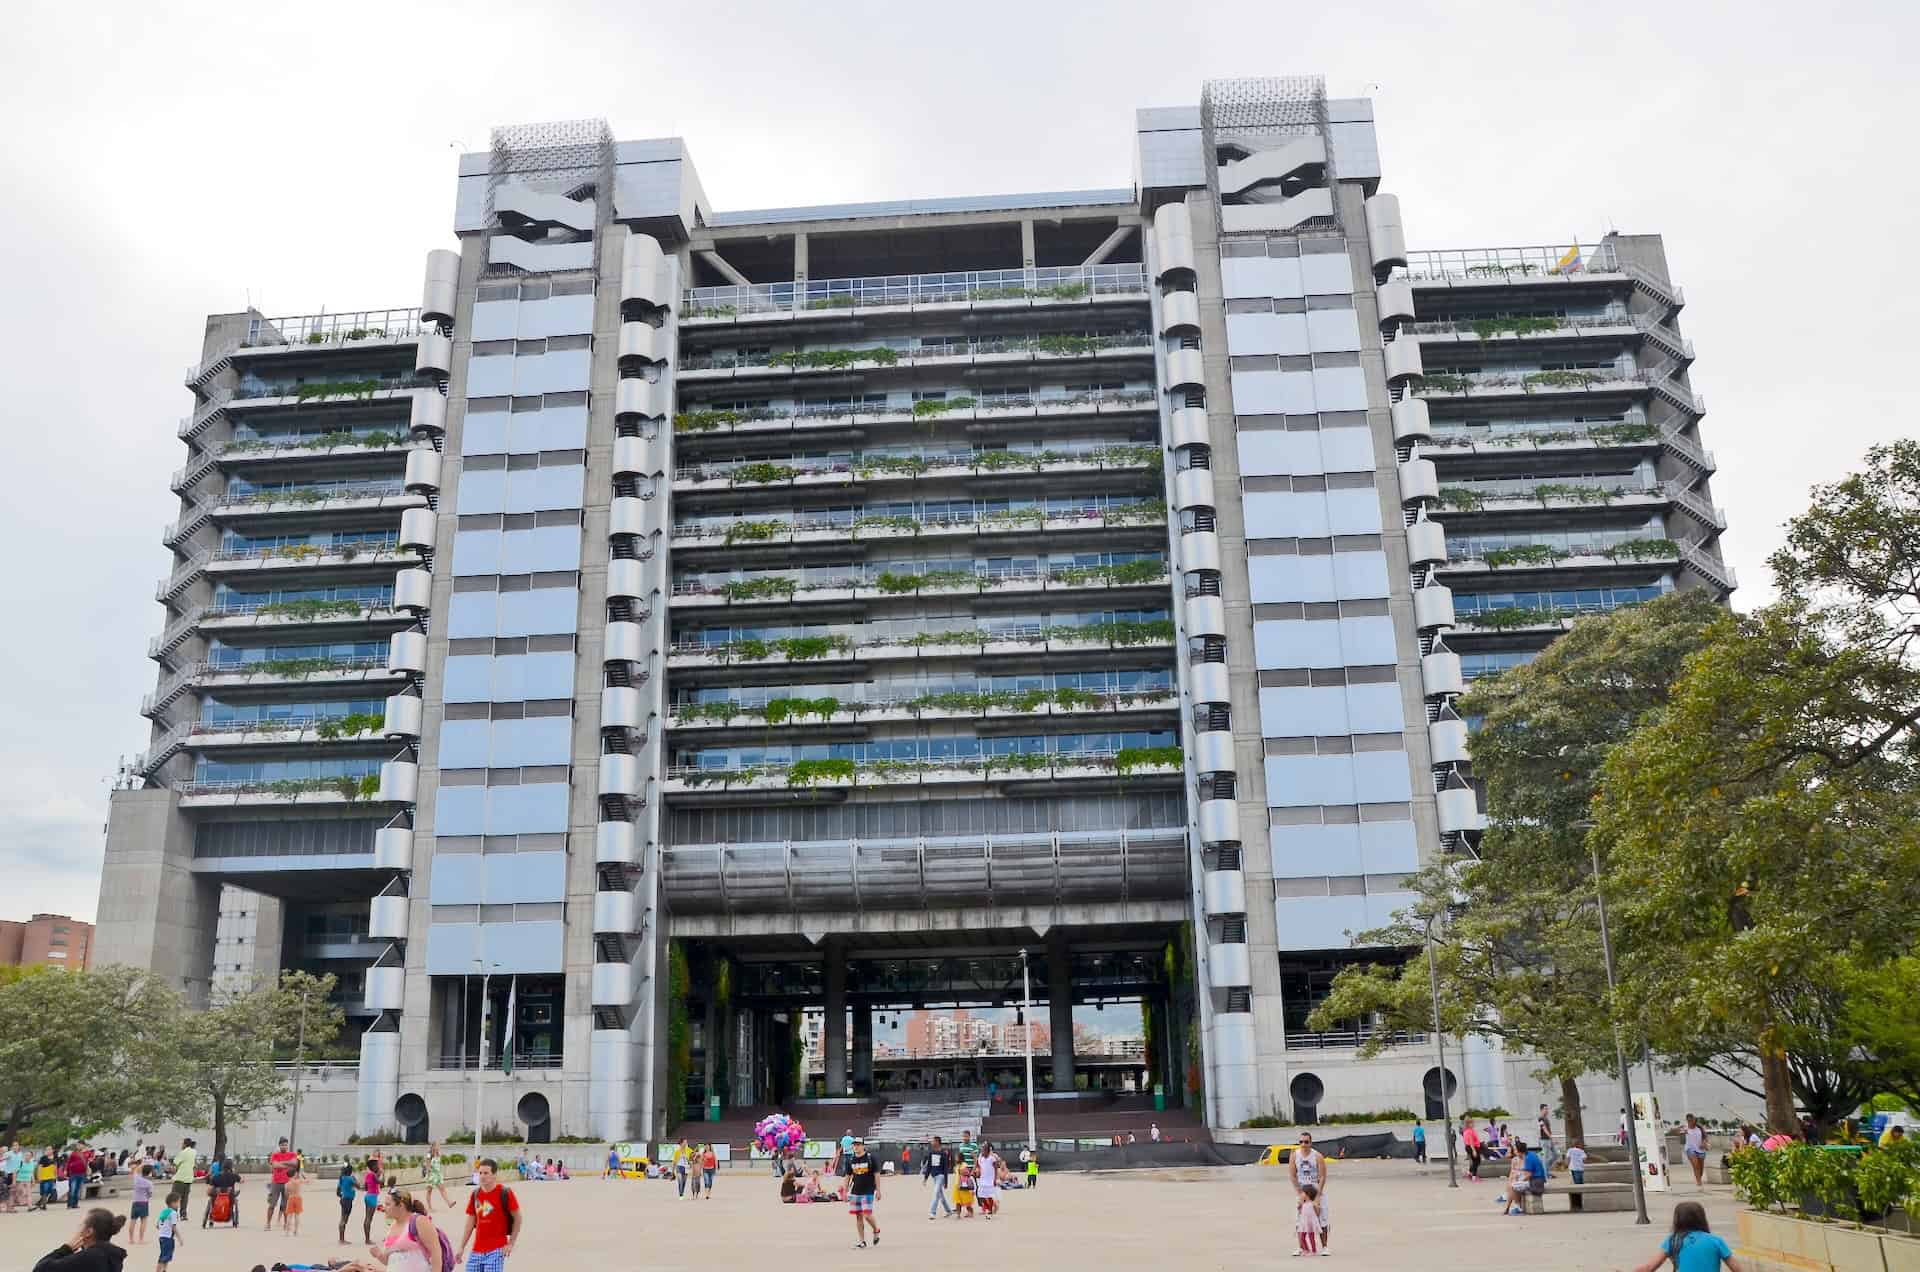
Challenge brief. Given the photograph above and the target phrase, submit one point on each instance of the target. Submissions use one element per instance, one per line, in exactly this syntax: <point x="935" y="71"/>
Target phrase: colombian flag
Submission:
<point x="1570" y="263"/>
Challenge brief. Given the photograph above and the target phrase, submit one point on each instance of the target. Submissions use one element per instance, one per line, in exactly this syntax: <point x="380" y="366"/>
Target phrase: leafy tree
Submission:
<point x="1879" y="1020"/>
<point x="1519" y="959"/>
<point x="83" y="1052"/>
<point x="1763" y="842"/>
<point x="228" y="1051"/>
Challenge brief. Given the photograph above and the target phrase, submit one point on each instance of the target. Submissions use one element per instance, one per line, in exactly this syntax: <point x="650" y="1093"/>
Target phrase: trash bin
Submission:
<point x="1159" y="1098"/>
<point x="713" y="1108"/>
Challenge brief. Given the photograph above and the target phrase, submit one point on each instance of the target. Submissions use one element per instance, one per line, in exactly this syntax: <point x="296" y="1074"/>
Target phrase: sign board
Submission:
<point x="1653" y="1141"/>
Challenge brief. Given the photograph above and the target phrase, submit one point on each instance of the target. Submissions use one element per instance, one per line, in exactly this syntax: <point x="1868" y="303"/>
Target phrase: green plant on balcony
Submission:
<point x="1131" y="758"/>
<point x="1572" y="494"/>
<point x="832" y="359"/>
<point x="1117" y="632"/>
<point x="1644" y="550"/>
<point x="908" y="524"/>
<point x="887" y="770"/>
<point x="1071" y="698"/>
<point x="949" y="580"/>
<point x="755" y="531"/>
<point x="318" y="389"/>
<point x="1622" y="434"/>
<point x="994" y="461"/>
<point x="911" y="465"/>
<point x="997" y="293"/>
<point x="832" y="302"/>
<point x="766" y="588"/>
<point x="1017" y="762"/>
<point x="1507" y="619"/>
<point x="313" y="608"/>
<point x="704" y="421"/>
<point x="295" y="551"/>
<point x="747" y="649"/>
<point x="1060" y="345"/>
<point x="719" y="712"/>
<point x="1141" y="512"/>
<point x="896" y="584"/>
<point x="1461" y="497"/>
<point x="287" y="668"/>
<point x="316" y="337"/>
<point x="1488" y="328"/>
<point x="1127" y="456"/>
<point x="781" y="710"/>
<point x="1524" y="554"/>
<point x="1064" y="291"/>
<point x="804" y="648"/>
<point x="1492" y="270"/>
<point x="928" y="408"/>
<point x="1444" y="382"/>
<point x="807" y="772"/>
<point x="348" y="726"/>
<point x="711" y="311"/>
<point x="759" y="474"/>
<point x="1559" y="379"/>
<point x="1029" y="516"/>
<point x="966" y="636"/>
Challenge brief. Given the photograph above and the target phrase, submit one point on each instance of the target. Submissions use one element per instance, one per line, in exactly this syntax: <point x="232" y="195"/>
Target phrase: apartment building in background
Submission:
<point x="46" y="940"/>
<point x="686" y="622"/>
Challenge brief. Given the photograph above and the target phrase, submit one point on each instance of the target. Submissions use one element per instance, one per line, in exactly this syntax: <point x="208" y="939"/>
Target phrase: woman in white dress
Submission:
<point x="988" y="1188"/>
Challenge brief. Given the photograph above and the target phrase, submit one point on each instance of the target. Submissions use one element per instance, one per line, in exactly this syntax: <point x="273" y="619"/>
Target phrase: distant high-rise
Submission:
<point x="684" y="621"/>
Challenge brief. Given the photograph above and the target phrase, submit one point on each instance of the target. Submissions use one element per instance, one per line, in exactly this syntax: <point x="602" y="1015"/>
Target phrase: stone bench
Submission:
<point x="1581" y="1198"/>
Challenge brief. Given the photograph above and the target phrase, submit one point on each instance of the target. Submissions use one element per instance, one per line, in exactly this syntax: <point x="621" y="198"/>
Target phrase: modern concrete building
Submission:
<point x="686" y="618"/>
<point x="46" y="940"/>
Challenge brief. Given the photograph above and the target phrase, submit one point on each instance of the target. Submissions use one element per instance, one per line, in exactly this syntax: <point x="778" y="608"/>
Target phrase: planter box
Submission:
<point x="1776" y="1241"/>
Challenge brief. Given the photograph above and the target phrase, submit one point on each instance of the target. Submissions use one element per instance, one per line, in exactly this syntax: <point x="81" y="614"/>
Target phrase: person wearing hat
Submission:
<point x="863" y="1190"/>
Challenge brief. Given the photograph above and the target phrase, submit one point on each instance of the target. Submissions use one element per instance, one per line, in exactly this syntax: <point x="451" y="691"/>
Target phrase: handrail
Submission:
<point x="1062" y="759"/>
<point x="1505" y="263"/>
<point x="1121" y="699"/>
<point x="1113" y="455"/>
<point x="922" y="354"/>
<point x="698" y="421"/>
<point x="293" y="495"/>
<point x="1056" y="283"/>
<point x="1697" y="559"/>
<point x="1112" y="515"/>
<point x="293" y="552"/>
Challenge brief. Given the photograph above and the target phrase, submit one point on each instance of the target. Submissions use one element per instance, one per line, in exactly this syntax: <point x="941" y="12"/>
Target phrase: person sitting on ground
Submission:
<point x="790" y="1187"/>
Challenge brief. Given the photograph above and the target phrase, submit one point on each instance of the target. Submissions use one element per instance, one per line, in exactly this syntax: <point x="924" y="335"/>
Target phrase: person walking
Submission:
<point x="436" y="1178"/>
<point x="709" y="1162"/>
<point x="46" y="1173"/>
<point x="282" y="1162"/>
<point x="1307" y="1167"/>
<point x="494" y="1222"/>
<point x="863" y="1194"/>
<point x="1306" y="1223"/>
<point x="936" y="1169"/>
<point x="21" y="1181"/>
<point x="987" y="1190"/>
<point x="693" y="1168"/>
<point x="369" y="1197"/>
<point x="1577" y="1160"/>
<point x="1420" y="1143"/>
<point x="166" y="1231"/>
<point x="682" y="1155"/>
<point x="1470" y="1140"/>
<point x="1032" y="1160"/>
<point x="1692" y="1246"/>
<point x="76" y="1175"/>
<point x="1695" y="1148"/>
<point x="1545" y="1121"/>
<point x="613" y="1163"/>
<point x="295" y="1204"/>
<point x="412" y="1243"/>
<point x="344" y="1188"/>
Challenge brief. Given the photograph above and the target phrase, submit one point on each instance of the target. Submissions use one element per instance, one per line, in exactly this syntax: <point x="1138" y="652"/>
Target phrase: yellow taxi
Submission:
<point x="1277" y="1154"/>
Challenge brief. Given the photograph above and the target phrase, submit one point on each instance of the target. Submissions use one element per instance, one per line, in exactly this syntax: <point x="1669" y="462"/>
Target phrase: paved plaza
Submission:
<point x="1386" y="1215"/>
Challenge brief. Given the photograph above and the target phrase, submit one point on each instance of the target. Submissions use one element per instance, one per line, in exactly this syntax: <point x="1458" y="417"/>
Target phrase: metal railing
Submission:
<point x="1510" y="264"/>
<point x="867" y="467"/>
<point x="1047" y="285"/>
<point x="311" y="551"/>
<point x="366" y="662"/>
<point x="313" y="329"/>
<point x="916" y="355"/>
<point x="1485" y="328"/>
<point x="1110" y="515"/>
<point x="904" y="411"/>
<point x="1324" y="1039"/>
<point x="277" y="725"/>
<point x="1531" y="381"/>
<point x="1065" y="575"/>
<point x="248" y="608"/>
<point x="311" y="495"/>
<point x="1700" y="562"/>
<point x="1117" y="701"/>
<point x="379" y="381"/>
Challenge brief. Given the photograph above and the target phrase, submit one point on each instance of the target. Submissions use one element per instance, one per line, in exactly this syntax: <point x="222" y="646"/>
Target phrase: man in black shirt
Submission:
<point x="937" y="1167"/>
<point x="863" y="1190"/>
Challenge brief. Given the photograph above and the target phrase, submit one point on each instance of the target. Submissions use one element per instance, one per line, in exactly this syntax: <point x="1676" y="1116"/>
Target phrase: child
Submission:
<point x="345" y="1188"/>
<point x="1691" y="1246"/>
<point x="1306" y="1224"/>
<point x="142" y="1201"/>
<point x="963" y="1191"/>
<point x="166" y="1230"/>
<point x="291" y="1209"/>
<point x="1577" y="1161"/>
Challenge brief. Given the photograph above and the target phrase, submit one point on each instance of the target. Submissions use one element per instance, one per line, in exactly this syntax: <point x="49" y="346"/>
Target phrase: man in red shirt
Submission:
<point x="494" y="1222"/>
<point x="76" y="1175"/>
<point x="283" y="1161"/>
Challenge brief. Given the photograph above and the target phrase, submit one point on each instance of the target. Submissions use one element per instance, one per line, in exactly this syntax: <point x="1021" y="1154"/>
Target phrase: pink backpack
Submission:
<point x="446" y="1246"/>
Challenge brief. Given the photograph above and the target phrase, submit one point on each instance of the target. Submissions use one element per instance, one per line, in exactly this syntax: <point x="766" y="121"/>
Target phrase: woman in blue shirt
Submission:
<point x="1691" y="1246"/>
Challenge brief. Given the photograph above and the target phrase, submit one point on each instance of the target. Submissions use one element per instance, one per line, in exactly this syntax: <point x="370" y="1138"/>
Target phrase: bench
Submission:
<point x="1581" y="1198"/>
<point x="102" y="1188"/>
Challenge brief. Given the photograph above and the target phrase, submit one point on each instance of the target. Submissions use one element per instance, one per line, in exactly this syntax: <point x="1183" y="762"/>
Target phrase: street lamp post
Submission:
<point x="1619" y="1051"/>
<point x="480" y="1075"/>
<point x="1026" y="1014"/>
<point x="1440" y="1051"/>
<point x="299" y="1071"/>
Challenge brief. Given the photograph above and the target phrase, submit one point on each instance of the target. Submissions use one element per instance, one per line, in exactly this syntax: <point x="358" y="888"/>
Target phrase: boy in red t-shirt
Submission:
<point x="283" y="1160"/>
<point x="493" y="1222"/>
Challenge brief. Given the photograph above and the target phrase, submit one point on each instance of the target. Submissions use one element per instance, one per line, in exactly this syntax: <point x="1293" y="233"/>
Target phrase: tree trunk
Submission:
<point x="219" y="1128"/>
<point x="1576" y="1125"/>
<point x="1777" y="1082"/>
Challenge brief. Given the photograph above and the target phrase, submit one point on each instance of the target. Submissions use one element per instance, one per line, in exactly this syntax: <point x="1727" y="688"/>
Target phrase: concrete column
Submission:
<point x="799" y="258"/>
<point x="1060" y="1011"/>
<point x="155" y="912"/>
<point x="1026" y="244"/>
<point x="834" y="1028"/>
<point x="716" y="1039"/>
<point x="863" y="1049"/>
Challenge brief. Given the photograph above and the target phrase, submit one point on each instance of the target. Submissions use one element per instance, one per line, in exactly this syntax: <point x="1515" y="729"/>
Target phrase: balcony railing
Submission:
<point x="880" y="582"/>
<point x="1024" y="765"/>
<point x="861" y="640"/>
<point x="292" y="668"/>
<point x="1146" y="512"/>
<point x="313" y="610"/>
<point x="1510" y="264"/>
<point x="1607" y="323"/>
<point x="1329" y="1039"/>
<point x="956" y="703"/>
<point x="1059" y="346"/>
<point x="354" y="387"/>
<point x="311" y="495"/>
<point x="960" y="406"/>
<point x="816" y="295"/>
<point x="866" y="467"/>
<point x="1602" y="381"/>
<point x="1469" y="496"/>
<point x="311" y="552"/>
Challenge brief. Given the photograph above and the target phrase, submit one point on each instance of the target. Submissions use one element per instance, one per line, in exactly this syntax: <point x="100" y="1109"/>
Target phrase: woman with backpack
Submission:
<point x="414" y="1243"/>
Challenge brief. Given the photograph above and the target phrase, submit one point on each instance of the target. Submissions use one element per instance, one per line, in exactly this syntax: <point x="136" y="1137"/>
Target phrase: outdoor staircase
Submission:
<point x="1701" y="562"/>
<point x="1669" y="297"/>
<point x="920" y="1120"/>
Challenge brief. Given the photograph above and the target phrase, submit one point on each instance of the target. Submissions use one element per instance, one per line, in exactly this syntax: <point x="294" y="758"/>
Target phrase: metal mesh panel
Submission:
<point x="1273" y="106"/>
<point x="560" y="156"/>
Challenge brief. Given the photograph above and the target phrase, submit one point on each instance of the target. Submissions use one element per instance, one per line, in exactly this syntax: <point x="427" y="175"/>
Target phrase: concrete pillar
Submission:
<point x="716" y="1039"/>
<point x="1026" y="244"/>
<point x="154" y="911"/>
<point x="799" y="262"/>
<point x="834" y="1027"/>
<point x="863" y="1049"/>
<point x="1060" y="1011"/>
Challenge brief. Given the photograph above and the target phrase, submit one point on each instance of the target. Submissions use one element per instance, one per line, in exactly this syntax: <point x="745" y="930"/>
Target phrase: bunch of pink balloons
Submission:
<point x="777" y="1133"/>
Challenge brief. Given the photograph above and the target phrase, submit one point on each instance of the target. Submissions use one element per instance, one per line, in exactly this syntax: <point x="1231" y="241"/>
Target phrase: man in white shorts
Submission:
<point x="1307" y="1165"/>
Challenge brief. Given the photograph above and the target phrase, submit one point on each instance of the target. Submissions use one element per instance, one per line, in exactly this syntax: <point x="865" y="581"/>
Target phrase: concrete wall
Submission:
<point x="154" y="911"/>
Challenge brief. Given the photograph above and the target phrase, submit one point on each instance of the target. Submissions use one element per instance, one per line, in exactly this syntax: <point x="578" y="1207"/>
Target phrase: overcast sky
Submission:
<point x="163" y="161"/>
